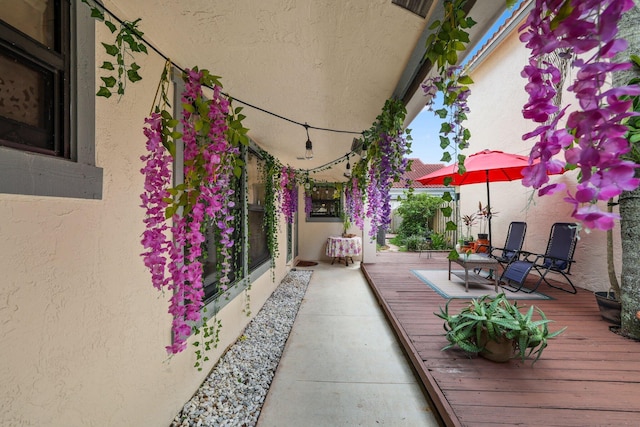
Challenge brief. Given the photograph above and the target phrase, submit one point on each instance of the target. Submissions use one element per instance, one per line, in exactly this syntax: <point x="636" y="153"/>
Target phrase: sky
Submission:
<point x="426" y="126"/>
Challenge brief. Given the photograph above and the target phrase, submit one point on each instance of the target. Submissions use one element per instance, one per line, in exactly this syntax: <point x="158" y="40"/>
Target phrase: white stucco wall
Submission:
<point x="83" y="330"/>
<point x="496" y="122"/>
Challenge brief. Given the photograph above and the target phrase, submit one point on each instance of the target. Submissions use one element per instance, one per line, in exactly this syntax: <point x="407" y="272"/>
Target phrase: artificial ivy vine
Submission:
<point x="450" y="38"/>
<point x="128" y="40"/>
<point x="269" y="172"/>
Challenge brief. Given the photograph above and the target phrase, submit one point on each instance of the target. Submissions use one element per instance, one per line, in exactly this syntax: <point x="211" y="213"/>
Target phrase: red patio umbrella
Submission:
<point x="484" y="166"/>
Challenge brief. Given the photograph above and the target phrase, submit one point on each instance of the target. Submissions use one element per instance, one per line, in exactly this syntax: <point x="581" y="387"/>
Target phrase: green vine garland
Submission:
<point x="128" y="40"/>
<point x="269" y="172"/>
<point x="450" y="38"/>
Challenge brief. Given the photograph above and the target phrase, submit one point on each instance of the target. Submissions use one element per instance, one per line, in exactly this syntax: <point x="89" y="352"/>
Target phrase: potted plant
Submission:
<point x="609" y="301"/>
<point x="346" y="225"/>
<point x="485" y="214"/>
<point x="469" y="221"/>
<point x="496" y="329"/>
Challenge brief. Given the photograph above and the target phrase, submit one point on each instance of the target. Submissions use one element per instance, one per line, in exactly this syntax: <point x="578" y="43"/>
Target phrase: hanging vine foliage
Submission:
<point x="212" y="136"/>
<point x="127" y="42"/>
<point x="269" y="170"/>
<point x="384" y="161"/>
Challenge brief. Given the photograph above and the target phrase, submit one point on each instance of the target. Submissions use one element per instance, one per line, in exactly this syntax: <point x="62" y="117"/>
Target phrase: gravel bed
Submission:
<point x="234" y="391"/>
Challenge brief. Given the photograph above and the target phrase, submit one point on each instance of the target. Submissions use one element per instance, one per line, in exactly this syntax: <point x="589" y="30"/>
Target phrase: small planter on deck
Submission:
<point x="610" y="308"/>
<point x="488" y="319"/>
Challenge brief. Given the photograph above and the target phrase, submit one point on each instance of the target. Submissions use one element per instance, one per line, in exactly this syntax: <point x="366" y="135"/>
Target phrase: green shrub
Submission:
<point x="438" y="241"/>
<point x="397" y="240"/>
<point x="416" y="210"/>
<point x="415" y="243"/>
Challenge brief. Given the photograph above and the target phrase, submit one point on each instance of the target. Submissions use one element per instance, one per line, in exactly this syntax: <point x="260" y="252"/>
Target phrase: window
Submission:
<point x="258" y="246"/>
<point x="326" y="202"/>
<point x="290" y="241"/>
<point x="211" y="274"/>
<point x="34" y="85"/>
<point x="211" y="255"/>
<point x="47" y="142"/>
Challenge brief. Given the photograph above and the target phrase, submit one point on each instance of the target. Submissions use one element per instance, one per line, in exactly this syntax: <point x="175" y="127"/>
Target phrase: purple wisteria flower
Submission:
<point x="354" y="204"/>
<point x="289" y="194"/>
<point x="157" y="178"/>
<point x="209" y="160"/>
<point x="388" y="168"/>
<point x="594" y="138"/>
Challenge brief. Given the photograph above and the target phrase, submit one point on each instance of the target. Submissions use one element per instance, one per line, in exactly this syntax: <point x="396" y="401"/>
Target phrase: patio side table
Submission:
<point x="473" y="261"/>
<point x="343" y="248"/>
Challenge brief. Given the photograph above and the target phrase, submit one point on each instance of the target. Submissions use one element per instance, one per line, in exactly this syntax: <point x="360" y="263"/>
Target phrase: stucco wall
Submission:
<point x="496" y="122"/>
<point x="83" y="330"/>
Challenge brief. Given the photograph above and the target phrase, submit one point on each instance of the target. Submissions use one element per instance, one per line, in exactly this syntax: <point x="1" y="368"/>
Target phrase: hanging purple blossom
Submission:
<point x="289" y="193"/>
<point x="354" y="204"/>
<point x="157" y="174"/>
<point x="594" y="138"/>
<point x="387" y="168"/>
<point x="207" y="199"/>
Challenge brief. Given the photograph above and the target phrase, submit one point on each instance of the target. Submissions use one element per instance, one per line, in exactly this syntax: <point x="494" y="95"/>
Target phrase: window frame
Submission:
<point x="215" y="302"/>
<point x="338" y="218"/>
<point x="29" y="173"/>
<point x="255" y="206"/>
<point x="55" y="61"/>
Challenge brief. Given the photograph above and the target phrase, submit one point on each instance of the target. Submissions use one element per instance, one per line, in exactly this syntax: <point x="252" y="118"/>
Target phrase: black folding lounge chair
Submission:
<point x="557" y="258"/>
<point x="512" y="246"/>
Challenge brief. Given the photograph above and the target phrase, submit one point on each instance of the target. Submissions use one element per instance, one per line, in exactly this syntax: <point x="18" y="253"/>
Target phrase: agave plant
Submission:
<point x="499" y="319"/>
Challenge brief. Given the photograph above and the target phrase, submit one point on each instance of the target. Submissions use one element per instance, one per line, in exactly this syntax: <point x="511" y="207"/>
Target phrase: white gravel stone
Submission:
<point x="235" y="389"/>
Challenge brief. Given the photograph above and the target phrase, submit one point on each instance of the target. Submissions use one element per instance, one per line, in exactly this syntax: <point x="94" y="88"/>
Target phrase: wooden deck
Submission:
<point x="588" y="376"/>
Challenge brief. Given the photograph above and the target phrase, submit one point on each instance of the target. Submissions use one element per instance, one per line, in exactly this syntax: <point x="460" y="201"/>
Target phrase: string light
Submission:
<point x="348" y="172"/>
<point x="308" y="145"/>
<point x="308" y="152"/>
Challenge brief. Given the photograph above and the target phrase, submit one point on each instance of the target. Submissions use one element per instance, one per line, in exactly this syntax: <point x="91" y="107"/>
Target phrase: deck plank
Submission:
<point x="587" y="376"/>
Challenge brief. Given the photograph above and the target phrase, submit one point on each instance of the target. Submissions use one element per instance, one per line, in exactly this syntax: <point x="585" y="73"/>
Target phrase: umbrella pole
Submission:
<point x="489" y="210"/>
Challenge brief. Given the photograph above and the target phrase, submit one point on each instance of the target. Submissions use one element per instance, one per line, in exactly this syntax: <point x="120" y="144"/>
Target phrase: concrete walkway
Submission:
<point x="342" y="365"/>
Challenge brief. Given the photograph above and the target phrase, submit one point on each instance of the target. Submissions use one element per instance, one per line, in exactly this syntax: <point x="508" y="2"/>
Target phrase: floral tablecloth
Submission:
<point x="340" y="247"/>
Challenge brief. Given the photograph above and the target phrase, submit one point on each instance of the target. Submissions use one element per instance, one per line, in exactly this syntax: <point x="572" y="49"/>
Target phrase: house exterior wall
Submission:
<point x="496" y="122"/>
<point x="83" y="330"/>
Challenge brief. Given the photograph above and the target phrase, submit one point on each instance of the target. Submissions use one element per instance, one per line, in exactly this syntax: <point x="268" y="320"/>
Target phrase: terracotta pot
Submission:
<point x="496" y="350"/>
<point x="610" y="309"/>
<point x="482" y="245"/>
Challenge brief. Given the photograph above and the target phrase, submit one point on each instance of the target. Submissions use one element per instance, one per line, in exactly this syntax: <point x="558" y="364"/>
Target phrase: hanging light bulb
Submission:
<point x="364" y="150"/>
<point x="308" y="152"/>
<point x="307" y="184"/>
<point x="348" y="172"/>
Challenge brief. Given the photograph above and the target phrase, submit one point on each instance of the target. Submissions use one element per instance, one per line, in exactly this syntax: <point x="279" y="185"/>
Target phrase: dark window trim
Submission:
<point x="323" y="219"/>
<point x="39" y="175"/>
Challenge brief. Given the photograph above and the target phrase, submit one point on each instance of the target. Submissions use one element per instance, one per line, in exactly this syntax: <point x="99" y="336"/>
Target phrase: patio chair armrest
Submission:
<point x="531" y="257"/>
<point x="556" y="263"/>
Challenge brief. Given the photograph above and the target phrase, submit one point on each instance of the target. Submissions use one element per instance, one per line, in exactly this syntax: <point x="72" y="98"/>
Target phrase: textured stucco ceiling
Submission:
<point x="330" y="63"/>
